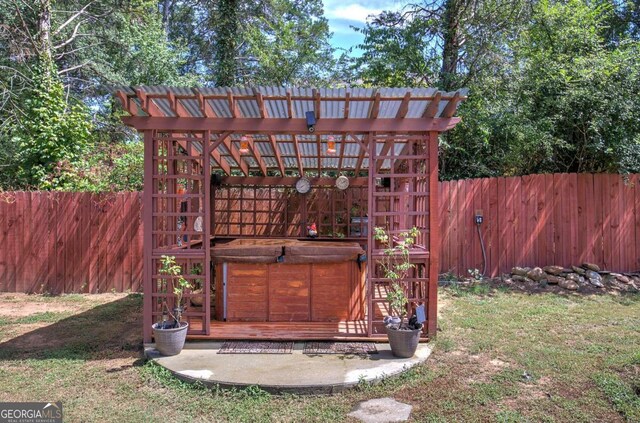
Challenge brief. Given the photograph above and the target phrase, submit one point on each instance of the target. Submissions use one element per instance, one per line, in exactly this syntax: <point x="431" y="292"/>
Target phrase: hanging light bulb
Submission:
<point x="244" y="145"/>
<point x="331" y="145"/>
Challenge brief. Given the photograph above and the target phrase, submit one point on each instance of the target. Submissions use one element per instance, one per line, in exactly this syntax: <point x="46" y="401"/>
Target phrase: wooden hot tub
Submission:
<point x="275" y="280"/>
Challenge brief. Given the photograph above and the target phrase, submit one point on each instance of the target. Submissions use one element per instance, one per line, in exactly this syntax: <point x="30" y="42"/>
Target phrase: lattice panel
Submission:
<point x="178" y="192"/>
<point x="163" y="299"/>
<point x="399" y="200"/>
<point x="282" y="212"/>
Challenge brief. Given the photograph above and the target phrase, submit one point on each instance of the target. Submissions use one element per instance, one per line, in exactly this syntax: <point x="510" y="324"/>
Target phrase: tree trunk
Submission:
<point x="451" y="48"/>
<point x="44" y="36"/>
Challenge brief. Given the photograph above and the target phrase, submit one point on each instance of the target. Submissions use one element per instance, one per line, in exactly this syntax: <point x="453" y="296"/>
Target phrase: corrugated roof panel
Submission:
<point x="308" y="149"/>
<point x="248" y="108"/>
<point x="352" y="149"/>
<point x="349" y="163"/>
<point x="220" y="108"/>
<point x="230" y="161"/>
<point x="192" y="106"/>
<point x="286" y="148"/>
<point x="264" y="148"/>
<point x="310" y="163"/>
<point x="270" y="161"/>
<point x="290" y="162"/>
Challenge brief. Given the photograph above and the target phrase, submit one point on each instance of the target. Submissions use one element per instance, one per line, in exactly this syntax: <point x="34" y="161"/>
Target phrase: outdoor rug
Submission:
<point x="355" y="348"/>
<point x="256" y="347"/>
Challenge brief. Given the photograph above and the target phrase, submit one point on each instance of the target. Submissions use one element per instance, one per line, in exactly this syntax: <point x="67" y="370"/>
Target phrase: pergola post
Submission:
<point x="434" y="236"/>
<point x="147" y="211"/>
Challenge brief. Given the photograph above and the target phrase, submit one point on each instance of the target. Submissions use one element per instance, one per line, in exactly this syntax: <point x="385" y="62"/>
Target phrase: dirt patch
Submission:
<point x="23" y="309"/>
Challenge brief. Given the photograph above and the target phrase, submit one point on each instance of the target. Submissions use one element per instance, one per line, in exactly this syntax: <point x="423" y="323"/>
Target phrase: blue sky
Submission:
<point x="345" y="13"/>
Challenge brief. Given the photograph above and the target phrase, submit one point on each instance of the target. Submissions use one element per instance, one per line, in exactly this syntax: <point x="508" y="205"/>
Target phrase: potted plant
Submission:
<point x="170" y="334"/>
<point x="403" y="334"/>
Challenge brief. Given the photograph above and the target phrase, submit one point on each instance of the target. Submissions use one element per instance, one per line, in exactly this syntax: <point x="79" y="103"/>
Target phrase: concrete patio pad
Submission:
<point x="296" y="372"/>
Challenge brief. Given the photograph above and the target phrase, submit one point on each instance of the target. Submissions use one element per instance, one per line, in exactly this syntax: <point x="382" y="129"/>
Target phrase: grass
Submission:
<point x="499" y="356"/>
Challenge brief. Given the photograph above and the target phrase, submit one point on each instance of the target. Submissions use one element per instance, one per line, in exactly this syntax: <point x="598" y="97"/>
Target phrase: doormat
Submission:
<point x="256" y="347"/>
<point x="355" y="348"/>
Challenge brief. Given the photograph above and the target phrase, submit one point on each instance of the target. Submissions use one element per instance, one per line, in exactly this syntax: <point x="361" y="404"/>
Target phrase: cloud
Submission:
<point x="355" y="11"/>
<point x="351" y="12"/>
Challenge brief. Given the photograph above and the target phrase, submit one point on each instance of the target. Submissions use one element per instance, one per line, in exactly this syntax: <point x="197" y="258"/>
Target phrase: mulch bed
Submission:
<point x="354" y="348"/>
<point x="256" y="347"/>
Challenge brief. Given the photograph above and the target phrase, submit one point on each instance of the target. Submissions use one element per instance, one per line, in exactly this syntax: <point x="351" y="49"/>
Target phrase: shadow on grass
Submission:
<point x="107" y="331"/>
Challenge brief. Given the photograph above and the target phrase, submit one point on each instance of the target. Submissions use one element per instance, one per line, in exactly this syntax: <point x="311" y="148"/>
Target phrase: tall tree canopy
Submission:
<point x="553" y="84"/>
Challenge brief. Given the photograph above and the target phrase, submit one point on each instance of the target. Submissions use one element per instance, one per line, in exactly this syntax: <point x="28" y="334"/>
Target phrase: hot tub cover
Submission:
<point x="295" y="251"/>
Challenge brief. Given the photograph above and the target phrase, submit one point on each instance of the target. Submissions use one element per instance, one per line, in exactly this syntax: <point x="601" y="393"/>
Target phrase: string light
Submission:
<point x="331" y="145"/>
<point x="244" y="145"/>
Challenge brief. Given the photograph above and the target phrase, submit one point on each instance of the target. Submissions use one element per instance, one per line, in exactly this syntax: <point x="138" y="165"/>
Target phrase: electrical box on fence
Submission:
<point x="478" y="217"/>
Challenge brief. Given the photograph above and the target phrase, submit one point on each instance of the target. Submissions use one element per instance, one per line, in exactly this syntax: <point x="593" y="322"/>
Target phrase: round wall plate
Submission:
<point x="342" y="183"/>
<point x="303" y="185"/>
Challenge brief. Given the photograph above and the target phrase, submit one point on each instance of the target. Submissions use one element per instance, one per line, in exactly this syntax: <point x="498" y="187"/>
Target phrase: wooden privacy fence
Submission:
<point x="563" y="219"/>
<point x="70" y="242"/>
<point x="83" y="242"/>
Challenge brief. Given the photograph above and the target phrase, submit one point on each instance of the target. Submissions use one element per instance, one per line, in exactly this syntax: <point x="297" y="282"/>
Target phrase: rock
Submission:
<point x="623" y="278"/>
<point x="520" y="271"/>
<point x="582" y="280"/>
<point x="537" y="274"/>
<point x="573" y="277"/>
<point x="578" y="270"/>
<point x="554" y="280"/>
<point x="553" y="270"/>
<point x="519" y="278"/>
<point x="591" y="266"/>
<point x="568" y="284"/>
<point x="636" y="279"/>
<point x="596" y="282"/>
<point x="590" y="274"/>
<point x="381" y="410"/>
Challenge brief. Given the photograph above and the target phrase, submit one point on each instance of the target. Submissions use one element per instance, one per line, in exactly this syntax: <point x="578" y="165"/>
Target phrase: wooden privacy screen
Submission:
<point x="282" y="212"/>
<point x="538" y="220"/>
<point x="82" y="242"/>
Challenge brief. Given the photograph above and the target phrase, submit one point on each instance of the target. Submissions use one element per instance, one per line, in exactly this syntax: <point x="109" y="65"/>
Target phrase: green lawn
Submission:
<point x="500" y="356"/>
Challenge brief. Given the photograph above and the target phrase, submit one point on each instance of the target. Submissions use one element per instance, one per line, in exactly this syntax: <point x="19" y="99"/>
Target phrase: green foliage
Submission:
<point x="169" y="267"/>
<point x="51" y="132"/>
<point x="290" y="45"/>
<point x="107" y="167"/>
<point x="554" y="86"/>
<point x="396" y="265"/>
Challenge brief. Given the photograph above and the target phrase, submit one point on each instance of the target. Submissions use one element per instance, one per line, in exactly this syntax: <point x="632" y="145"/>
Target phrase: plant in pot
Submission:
<point x="170" y="334"/>
<point x="403" y="334"/>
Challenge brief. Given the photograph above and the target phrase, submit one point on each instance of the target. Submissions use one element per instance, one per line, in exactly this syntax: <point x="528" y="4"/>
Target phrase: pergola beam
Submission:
<point x="342" y="143"/>
<point x="452" y="105"/>
<point x="290" y="126"/>
<point x="276" y="152"/>
<point x="237" y="157"/>
<point x="432" y="109"/>
<point x="288" y="181"/>
<point x="296" y="148"/>
<point x="404" y="106"/>
<point x="253" y="149"/>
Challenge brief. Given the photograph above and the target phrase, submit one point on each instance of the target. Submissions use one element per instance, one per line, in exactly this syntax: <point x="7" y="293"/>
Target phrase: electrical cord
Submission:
<point x="484" y="252"/>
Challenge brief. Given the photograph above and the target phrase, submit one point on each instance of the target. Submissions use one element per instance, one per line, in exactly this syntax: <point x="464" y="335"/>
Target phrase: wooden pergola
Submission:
<point x="221" y="165"/>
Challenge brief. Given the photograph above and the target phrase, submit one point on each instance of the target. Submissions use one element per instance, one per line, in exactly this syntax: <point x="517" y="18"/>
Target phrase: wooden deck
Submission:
<point x="353" y="330"/>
